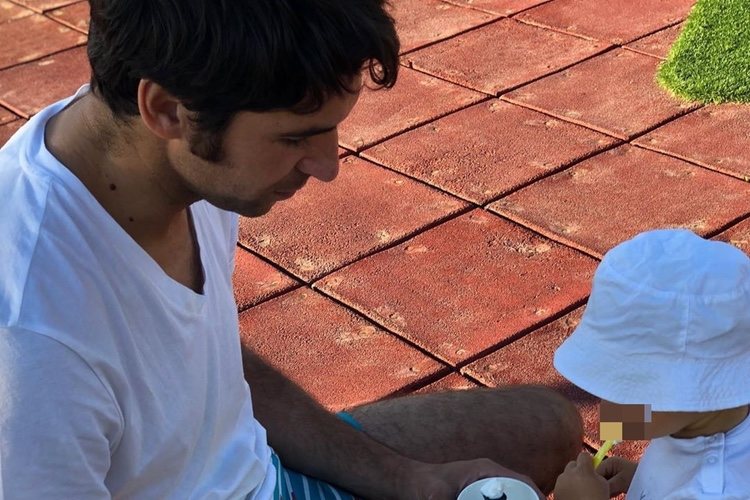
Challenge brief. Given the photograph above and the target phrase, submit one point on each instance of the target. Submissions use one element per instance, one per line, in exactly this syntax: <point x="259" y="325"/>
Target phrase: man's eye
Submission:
<point x="294" y="142"/>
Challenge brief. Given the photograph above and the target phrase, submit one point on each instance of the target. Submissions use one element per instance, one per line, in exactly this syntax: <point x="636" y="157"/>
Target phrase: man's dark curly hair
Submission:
<point x="223" y="56"/>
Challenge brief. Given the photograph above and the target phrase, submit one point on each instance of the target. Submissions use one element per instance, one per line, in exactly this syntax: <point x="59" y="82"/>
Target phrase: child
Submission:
<point x="667" y="333"/>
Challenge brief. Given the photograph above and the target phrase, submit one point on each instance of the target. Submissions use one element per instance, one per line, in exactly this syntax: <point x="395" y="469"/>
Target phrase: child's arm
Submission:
<point x="579" y="481"/>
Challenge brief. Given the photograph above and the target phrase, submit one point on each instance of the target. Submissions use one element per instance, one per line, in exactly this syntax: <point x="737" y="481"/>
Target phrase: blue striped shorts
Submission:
<point x="291" y="485"/>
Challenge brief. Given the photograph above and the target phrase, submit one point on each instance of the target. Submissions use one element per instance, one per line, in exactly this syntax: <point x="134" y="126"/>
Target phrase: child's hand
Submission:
<point x="579" y="481"/>
<point x="619" y="474"/>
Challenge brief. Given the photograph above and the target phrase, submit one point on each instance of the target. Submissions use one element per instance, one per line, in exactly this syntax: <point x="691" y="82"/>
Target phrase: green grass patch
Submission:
<point x="710" y="62"/>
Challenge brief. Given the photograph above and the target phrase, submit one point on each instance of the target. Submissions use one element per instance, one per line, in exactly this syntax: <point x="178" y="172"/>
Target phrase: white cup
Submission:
<point x="515" y="490"/>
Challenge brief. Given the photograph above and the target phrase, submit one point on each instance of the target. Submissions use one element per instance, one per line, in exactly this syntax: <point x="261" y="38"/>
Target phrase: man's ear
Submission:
<point x="161" y="112"/>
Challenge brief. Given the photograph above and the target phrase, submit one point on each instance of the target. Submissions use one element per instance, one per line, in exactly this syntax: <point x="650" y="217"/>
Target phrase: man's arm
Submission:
<point x="313" y="441"/>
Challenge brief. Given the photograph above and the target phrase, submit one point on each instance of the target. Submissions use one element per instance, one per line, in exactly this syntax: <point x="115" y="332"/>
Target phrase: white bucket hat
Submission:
<point x="667" y="324"/>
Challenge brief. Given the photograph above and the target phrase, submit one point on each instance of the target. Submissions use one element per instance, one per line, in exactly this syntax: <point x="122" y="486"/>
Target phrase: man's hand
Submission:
<point x="579" y="481"/>
<point x="619" y="474"/>
<point x="445" y="481"/>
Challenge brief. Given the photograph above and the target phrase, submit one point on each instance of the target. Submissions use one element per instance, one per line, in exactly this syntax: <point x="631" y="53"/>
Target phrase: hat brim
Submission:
<point x="666" y="382"/>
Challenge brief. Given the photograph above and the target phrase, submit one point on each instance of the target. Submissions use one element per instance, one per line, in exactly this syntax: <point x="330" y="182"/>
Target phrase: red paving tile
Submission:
<point x="34" y="37"/>
<point x="716" y="137"/>
<point x="326" y="226"/>
<point x="615" y="93"/>
<point x="620" y="193"/>
<point x="420" y="22"/>
<point x="44" y="5"/>
<point x="76" y="16"/>
<point x="7" y="130"/>
<point x="415" y="100"/>
<point x="30" y="87"/>
<point x="617" y="21"/>
<point x="9" y="11"/>
<point x="6" y="116"/>
<point x="255" y="280"/>
<point x="487" y="150"/>
<point x="738" y="236"/>
<point x="659" y="43"/>
<point x="503" y="7"/>
<point x="453" y="382"/>
<point x="464" y="286"/>
<point x="502" y="55"/>
<point x="305" y="334"/>
<point x="529" y="361"/>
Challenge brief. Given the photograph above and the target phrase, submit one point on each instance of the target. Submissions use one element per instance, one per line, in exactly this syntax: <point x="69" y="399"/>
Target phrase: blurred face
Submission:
<point x="267" y="157"/>
<point x="634" y="422"/>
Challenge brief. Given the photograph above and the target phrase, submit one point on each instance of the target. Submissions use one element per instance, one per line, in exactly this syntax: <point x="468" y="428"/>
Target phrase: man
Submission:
<point x="121" y="370"/>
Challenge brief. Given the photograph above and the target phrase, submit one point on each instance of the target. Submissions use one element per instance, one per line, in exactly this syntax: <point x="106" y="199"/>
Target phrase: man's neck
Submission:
<point x="124" y="168"/>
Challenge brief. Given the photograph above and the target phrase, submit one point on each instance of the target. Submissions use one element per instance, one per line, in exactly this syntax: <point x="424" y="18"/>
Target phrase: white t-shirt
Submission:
<point x="713" y="467"/>
<point x="115" y="380"/>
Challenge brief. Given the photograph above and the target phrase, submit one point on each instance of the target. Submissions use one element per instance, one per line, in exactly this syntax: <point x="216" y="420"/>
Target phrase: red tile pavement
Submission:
<point x="256" y="280"/>
<point x="503" y="7"/>
<point x="659" y="43"/>
<point x="28" y="88"/>
<point x="615" y="93"/>
<point x="487" y="150"/>
<point x="76" y="16"/>
<point x="9" y="10"/>
<point x="34" y="37"/>
<point x="44" y="5"/>
<point x="340" y="358"/>
<point x="716" y="137"/>
<point x="8" y="130"/>
<point x="613" y="196"/>
<point x="617" y="21"/>
<point x="420" y="22"/>
<point x="502" y="55"/>
<point x="529" y="361"/>
<point x="415" y="100"/>
<point x="326" y="226"/>
<point x="738" y="236"/>
<point x="465" y="286"/>
<point x="6" y="116"/>
<point x="452" y="382"/>
<point x="343" y="152"/>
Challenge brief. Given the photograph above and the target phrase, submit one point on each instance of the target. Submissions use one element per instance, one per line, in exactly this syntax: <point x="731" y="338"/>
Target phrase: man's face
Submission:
<point x="267" y="157"/>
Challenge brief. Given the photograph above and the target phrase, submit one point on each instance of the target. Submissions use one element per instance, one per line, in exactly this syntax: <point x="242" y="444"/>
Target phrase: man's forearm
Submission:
<point x="311" y="440"/>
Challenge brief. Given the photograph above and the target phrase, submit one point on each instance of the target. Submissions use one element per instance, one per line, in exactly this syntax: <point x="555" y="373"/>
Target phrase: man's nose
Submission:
<point x="322" y="162"/>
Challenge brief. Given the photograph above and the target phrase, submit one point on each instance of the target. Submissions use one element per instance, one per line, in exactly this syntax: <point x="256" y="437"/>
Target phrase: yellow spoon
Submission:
<point x="603" y="451"/>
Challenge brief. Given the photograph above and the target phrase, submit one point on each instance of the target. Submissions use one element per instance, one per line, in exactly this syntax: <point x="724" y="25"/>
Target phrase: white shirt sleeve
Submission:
<point x="58" y="422"/>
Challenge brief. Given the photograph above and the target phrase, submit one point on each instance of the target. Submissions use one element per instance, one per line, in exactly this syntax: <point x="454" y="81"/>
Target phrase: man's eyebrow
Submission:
<point x="308" y="132"/>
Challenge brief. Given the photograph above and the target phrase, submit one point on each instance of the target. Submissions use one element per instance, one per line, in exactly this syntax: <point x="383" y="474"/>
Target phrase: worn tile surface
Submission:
<point x="76" y="16"/>
<point x="487" y="150"/>
<point x="305" y="334"/>
<point x="7" y="130"/>
<point x="44" y="5"/>
<point x="659" y="43"/>
<point x="10" y="11"/>
<point x="715" y="136"/>
<point x="738" y="235"/>
<point x="611" y="197"/>
<point x="502" y="55"/>
<point x="448" y="290"/>
<point x="30" y="87"/>
<point x="420" y="22"/>
<point x="326" y="226"/>
<point x="256" y="280"/>
<point x="32" y="37"/>
<point x="615" y="93"/>
<point x="416" y="99"/>
<point x="6" y="116"/>
<point x="503" y="7"/>
<point x="626" y="20"/>
<point x="452" y="382"/>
